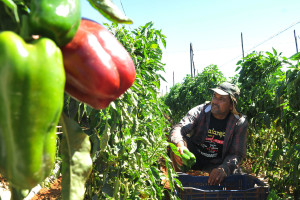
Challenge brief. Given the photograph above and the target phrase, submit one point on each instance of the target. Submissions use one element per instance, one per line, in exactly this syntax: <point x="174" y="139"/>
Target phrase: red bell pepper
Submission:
<point x="98" y="68"/>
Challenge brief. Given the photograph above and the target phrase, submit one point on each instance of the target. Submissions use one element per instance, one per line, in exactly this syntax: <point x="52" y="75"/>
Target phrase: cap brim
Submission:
<point x="219" y="91"/>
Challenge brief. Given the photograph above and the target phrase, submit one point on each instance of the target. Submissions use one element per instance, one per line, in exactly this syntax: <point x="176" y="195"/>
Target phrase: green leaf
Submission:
<point x="178" y="183"/>
<point x="13" y="7"/>
<point x="295" y="57"/>
<point x="169" y="167"/>
<point x="269" y="54"/>
<point x="116" y="187"/>
<point x="164" y="42"/>
<point x="133" y="147"/>
<point x="144" y="140"/>
<point x="105" y="137"/>
<point x="73" y="108"/>
<point x="174" y="149"/>
<point x="113" y="105"/>
<point x="7" y="19"/>
<point x="107" y="189"/>
<point x="76" y="160"/>
<point x="155" y="173"/>
<point x="237" y="69"/>
<point x="110" y="11"/>
<point x="95" y="143"/>
<point x="275" y="52"/>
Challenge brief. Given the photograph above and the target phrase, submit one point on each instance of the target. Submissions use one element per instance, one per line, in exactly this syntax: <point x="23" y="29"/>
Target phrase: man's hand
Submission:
<point x="216" y="176"/>
<point x="180" y="147"/>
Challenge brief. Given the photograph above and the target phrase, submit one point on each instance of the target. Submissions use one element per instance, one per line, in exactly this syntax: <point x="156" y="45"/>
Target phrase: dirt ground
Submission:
<point x="54" y="191"/>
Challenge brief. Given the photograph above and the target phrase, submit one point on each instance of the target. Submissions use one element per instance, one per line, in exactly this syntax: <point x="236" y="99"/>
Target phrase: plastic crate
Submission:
<point x="233" y="187"/>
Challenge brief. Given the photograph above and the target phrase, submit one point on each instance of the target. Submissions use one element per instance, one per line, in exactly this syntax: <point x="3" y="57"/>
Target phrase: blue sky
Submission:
<point x="214" y="28"/>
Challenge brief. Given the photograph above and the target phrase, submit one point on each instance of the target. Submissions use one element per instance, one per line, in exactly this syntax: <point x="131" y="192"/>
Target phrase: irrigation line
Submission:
<point x="122" y="7"/>
<point x="124" y="11"/>
<point x="275" y="35"/>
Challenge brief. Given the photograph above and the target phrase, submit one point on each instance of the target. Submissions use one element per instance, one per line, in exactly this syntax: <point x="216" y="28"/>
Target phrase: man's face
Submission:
<point x="220" y="106"/>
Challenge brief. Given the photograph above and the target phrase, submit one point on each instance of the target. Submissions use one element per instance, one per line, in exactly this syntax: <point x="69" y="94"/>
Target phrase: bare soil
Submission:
<point x="52" y="193"/>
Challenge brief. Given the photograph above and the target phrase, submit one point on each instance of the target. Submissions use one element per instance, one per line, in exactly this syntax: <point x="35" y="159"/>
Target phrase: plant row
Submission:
<point x="270" y="93"/>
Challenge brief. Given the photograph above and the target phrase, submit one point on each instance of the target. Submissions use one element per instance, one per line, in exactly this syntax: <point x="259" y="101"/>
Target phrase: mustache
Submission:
<point x="215" y="105"/>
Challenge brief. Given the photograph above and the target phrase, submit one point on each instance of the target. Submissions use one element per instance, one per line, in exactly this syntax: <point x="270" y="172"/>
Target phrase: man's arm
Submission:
<point x="186" y="125"/>
<point x="179" y="131"/>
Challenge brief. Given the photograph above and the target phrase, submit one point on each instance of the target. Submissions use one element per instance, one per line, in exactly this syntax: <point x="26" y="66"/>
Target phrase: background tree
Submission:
<point x="193" y="91"/>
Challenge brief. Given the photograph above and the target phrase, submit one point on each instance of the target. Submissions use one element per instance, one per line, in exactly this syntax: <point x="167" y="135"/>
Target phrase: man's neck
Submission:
<point x="221" y="116"/>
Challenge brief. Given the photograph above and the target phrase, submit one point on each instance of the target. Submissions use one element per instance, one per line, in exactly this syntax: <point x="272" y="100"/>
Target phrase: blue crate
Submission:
<point x="233" y="187"/>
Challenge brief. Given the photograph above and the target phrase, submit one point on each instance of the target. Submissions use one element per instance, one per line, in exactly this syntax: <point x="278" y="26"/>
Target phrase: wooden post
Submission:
<point x="296" y="41"/>
<point x="194" y="68"/>
<point x="242" y="44"/>
<point x="191" y="58"/>
<point x="173" y="78"/>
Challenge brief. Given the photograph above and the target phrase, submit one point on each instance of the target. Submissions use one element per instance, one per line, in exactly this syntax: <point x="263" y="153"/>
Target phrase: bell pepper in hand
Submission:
<point x="188" y="160"/>
<point x="32" y="80"/>
<point x="55" y="19"/>
<point x="98" y="68"/>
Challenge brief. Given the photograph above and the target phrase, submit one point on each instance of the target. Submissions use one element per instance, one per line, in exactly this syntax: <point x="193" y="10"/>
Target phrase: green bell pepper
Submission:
<point x="32" y="81"/>
<point x="188" y="160"/>
<point x="55" y="19"/>
<point x="191" y="156"/>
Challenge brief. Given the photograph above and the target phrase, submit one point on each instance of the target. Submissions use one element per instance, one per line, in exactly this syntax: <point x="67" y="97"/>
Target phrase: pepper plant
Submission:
<point x="268" y="98"/>
<point x="129" y="137"/>
<point x="33" y="73"/>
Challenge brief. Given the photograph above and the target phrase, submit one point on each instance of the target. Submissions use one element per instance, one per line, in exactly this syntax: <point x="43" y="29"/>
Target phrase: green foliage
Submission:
<point x="260" y="76"/>
<point x="268" y="98"/>
<point x="193" y="91"/>
<point x="129" y="137"/>
<point x="293" y="90"/>
<point x="11" y="15"/>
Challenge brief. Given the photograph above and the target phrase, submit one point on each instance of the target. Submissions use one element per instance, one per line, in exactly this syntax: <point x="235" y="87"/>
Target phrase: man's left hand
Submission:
<point x="216" y="176"/>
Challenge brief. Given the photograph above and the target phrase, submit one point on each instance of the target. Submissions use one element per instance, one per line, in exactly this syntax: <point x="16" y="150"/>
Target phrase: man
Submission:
<point x="215" y="132"/>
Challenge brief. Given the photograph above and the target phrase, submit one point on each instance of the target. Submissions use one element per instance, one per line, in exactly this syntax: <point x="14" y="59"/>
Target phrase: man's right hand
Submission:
<point x="180" y="146"/>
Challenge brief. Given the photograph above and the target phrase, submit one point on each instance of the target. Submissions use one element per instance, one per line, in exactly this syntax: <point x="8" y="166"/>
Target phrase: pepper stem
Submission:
<point x="25" y="31"/>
